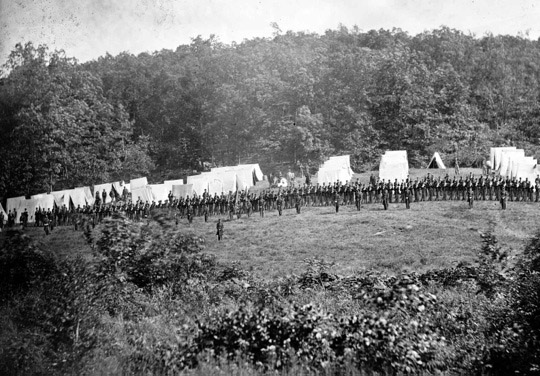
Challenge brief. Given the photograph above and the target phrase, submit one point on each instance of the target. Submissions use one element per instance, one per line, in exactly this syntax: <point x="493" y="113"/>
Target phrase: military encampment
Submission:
<point x="269" y="188"/>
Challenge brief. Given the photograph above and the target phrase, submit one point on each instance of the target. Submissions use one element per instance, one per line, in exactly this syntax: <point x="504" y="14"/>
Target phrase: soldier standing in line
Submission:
<point x="219" y="228"/>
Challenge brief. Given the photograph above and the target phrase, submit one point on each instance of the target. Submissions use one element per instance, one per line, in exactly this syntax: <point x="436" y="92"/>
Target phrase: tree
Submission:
<point x="62" y="129"/>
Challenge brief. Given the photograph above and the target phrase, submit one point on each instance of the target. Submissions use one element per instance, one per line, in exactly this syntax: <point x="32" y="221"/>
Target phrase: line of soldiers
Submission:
<point x="429" y="188"/>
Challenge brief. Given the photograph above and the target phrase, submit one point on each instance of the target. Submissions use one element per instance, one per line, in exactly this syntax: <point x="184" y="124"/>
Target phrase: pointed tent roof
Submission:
<point x="80" y="196"/>
<point x="436" y="161"/>
<point x="61" y="198"/>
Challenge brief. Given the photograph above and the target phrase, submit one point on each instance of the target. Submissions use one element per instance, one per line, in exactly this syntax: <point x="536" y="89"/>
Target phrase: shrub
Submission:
<point x="149" y="254"/>
<point x="22" y="265"/>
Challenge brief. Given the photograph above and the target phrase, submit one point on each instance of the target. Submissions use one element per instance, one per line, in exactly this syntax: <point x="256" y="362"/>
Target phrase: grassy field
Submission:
<point x="429" y="235"/>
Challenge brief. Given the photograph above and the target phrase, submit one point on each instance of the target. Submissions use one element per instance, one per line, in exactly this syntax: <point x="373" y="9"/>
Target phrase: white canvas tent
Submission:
<point x="144" y="193"/>
<point x="118" y="186"/>
<point x="495" y="155"/>
<point x="87" y="194"/>
<point x="61" y="198"/>
<point x="42" y="201"/>
<point x="436" y="161"/>
<point x="79" y="197"/>
<point x="524" y="169"/>
<point x="247" y="175"/>
<point x="29" y="205"/>
<point x="182" y="190"/>
<point x="199" y="183"/>
<point x="222" y="182"/>
<point x="159" y="192"/>
<point x="337" y="168"/>
<point x="138" y="183"/>
<point x="169" y="184"/>
<point x="245" y="179"/>
<point x="507" y="158"/>
<point x="394" y="165"/>
<point x="98" y="188"/>
<point x="14" y="203"/>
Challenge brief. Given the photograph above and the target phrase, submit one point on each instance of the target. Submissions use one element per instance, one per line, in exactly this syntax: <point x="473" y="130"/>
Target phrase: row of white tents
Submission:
<point x="512" y="162"/>
<point x="218" y="180"/>
<point x="77" y="196"/>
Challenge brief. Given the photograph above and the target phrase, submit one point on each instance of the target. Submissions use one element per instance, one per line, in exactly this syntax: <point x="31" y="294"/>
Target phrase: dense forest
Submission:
<point x="295" y="97"/>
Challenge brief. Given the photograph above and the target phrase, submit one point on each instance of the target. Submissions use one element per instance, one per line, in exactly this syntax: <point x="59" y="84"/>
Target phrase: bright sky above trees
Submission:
<point x="86" y="29"/>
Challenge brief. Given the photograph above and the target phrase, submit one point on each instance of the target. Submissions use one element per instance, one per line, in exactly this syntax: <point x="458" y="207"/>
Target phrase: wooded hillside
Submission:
<point x="293" y="97"/>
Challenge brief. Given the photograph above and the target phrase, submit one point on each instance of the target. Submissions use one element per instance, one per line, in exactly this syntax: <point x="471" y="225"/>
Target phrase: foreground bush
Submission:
<point x="149" y="254"/>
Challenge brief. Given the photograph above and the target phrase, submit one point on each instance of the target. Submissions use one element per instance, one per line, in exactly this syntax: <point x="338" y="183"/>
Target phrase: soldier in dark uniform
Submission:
<point x="384" y="198"/>
<point x="336" y="200"/>
<point x="24" y="218"/>
<point x="231" y="209"/>
<point x="297" y="202"/>
<point x="190" y="212"/>
<point x="46" y="225"/>
<point x="358" y="199"/>
<point x="205" y="209"/>
<point x="248" y="206"/>
<point x="407" y="198"/>
<point x="261" y="205"/>
<point x="279" y="204"/>
<point x="219" y="228"/>
<point x="503" y="199"/>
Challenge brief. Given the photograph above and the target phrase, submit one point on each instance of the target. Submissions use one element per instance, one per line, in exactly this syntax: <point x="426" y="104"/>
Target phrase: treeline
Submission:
<point x="294" y="97"/>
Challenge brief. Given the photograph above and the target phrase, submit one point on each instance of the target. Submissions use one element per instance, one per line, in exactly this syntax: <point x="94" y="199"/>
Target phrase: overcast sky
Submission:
<point x="87" y="29"/>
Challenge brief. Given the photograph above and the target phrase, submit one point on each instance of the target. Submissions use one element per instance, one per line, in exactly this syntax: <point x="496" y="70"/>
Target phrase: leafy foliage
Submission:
<point x="293" y="97"/>
<point x="149" y="254"/>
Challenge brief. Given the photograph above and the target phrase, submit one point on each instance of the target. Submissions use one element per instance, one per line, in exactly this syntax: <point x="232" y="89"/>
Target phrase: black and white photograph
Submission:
<point x="269" y="187"/>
